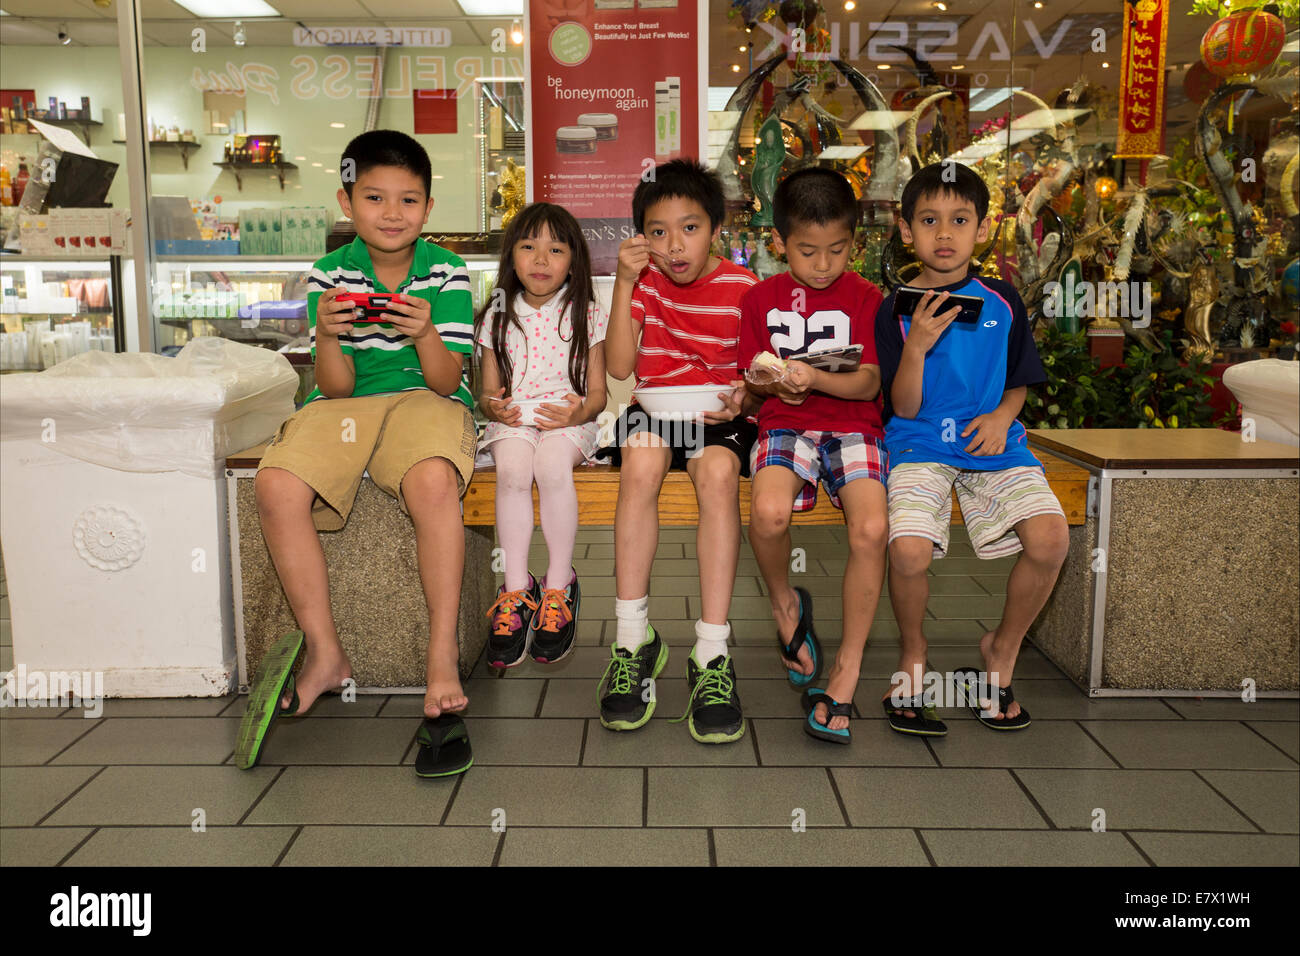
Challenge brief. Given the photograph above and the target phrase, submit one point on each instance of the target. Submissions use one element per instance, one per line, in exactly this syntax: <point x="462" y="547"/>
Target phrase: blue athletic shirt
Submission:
<point x="966" y="373"/>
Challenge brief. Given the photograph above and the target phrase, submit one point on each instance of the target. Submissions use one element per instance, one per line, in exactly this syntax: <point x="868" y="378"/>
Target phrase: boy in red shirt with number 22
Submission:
<point x="817" y="425"/>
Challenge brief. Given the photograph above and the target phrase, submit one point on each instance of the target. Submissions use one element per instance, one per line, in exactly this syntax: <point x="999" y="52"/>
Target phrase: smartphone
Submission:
<point x="846" y="359"/>
<point x="907" y="300"/>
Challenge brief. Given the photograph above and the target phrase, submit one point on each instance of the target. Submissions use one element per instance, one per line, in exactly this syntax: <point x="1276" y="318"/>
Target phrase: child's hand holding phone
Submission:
<point x="928" y="322"/>
<point x="333" y="318"/>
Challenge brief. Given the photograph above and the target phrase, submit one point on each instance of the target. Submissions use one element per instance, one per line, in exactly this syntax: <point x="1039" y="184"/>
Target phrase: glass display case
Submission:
<point x="260" y="301"/>
<point x="53" y="309"/>
<point x="500" y="135"/>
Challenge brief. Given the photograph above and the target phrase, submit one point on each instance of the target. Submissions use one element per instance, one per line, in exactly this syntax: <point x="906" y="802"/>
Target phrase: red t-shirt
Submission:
<point x="784" y="316"/>
<point x="689" y="333"/>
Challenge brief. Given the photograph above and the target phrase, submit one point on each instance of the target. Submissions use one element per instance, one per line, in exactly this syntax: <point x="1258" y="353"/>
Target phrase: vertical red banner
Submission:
<point x="1142" y="80"/>
<point x="614" y="89"/>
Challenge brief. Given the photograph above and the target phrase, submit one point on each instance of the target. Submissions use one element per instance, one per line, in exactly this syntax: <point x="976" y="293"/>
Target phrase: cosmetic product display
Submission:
<point x="575" y="139"/>
<point x="605" y="125"/>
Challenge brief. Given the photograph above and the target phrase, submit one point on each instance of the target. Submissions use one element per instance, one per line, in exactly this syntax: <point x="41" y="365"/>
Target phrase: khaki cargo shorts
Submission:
<point x="332" y="442"/>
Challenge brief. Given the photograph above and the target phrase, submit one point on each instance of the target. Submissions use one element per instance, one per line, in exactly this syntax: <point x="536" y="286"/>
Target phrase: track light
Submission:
<point x="63" y="34"/>
<point x="240" y="37"/>
<point x="517" y="33"/>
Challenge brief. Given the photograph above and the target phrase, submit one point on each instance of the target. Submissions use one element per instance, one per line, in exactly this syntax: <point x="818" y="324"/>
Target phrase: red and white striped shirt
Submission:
<point x="689" y="333"/>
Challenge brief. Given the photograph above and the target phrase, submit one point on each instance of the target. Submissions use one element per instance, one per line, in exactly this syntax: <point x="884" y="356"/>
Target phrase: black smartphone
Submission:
<point x="907" y="300"/>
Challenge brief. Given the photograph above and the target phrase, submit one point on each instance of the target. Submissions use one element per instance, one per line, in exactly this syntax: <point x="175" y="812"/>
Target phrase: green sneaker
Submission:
<point x="714" y="712"/>
<point x="627" y="690"/>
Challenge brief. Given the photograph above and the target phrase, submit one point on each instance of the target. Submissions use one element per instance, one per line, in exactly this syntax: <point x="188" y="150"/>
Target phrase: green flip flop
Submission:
<point x="444" y="747"/>
<point x="274" y="678"/>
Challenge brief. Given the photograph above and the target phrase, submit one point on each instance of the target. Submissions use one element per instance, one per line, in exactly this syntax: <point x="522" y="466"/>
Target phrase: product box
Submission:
<point x="35" y="235"/>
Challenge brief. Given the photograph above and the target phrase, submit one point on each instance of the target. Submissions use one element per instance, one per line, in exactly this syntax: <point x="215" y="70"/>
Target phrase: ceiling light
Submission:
<point x="300" y="159"/>
<point x="318" y="165"/>
<point x="959" y="66"/>
<point x="1038" y="4"/>
<point x="743" y="49"/>
<point x="63" y="34"/>
<point x="1105" y="65"/>
<point x="240" y="36"/>
<point x="492" y="8"/>
<point x="882" y="66"/>
<point x="337" y="125"/>
<point x="982" y="99"/>
<point x="517" y="33"/>
<point x="735" y="68"/>
<point x="849" y="5"/>
<point x="939" y="5"/>
<point x="229" y="8"/>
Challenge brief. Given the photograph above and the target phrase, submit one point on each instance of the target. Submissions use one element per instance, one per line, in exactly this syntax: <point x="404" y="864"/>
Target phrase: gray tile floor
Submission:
<point x="1174" y="781"/>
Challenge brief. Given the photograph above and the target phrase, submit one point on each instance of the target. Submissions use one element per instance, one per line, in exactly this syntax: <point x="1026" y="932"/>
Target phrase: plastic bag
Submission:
<point x="142" y="412"/>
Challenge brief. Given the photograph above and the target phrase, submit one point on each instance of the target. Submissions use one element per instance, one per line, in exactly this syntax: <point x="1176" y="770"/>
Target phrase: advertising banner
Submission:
<point x="1142" y="80"/>
<point x="615" y="87"/>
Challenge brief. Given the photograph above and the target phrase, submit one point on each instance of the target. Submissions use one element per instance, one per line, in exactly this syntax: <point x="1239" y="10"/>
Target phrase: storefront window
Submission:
<point x="64" y="195"/>
<point x="248" y="117"/>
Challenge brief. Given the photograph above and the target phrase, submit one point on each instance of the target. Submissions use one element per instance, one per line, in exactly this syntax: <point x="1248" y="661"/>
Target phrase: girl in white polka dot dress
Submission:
<point x="541" y="332"/>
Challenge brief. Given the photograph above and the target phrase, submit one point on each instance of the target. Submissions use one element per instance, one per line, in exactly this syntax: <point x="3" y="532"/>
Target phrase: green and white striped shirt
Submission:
<point x="385" y="360"/>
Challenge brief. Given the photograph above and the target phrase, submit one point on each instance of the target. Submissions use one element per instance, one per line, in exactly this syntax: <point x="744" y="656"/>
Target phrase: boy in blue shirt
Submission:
<point x="952" y="391"/>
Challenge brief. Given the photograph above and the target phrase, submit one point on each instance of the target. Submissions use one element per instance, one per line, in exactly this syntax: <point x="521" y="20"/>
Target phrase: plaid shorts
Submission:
<point x="834" y="458"/>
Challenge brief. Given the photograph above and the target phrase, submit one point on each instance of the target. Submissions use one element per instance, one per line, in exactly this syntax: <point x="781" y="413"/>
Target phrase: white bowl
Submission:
<point x="528" y="409"/>
<point x="680" y="402"/>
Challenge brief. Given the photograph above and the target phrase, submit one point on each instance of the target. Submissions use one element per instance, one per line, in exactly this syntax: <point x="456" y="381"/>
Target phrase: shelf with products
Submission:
<point x="238" y="169"/>
<point x="52" y="309"/>
<point x="187" y="147"/>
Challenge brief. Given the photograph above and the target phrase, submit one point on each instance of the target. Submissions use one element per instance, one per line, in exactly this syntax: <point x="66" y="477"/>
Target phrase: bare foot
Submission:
<point x="903" y="688"/>
<point x="443" y="693"/>
<point x="786" y="612"/>
<point x="843" y="681"/>
<point x="999" y="671"/>
<point x="323" y="669"/>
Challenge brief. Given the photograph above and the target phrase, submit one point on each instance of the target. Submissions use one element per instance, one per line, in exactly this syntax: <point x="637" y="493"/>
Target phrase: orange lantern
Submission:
<point x="1105" y="187"/>
<point x="1242" y="43"/>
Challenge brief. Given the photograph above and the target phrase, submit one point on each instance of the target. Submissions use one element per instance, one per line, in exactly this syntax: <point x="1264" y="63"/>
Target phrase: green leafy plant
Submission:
<point x="1076" y="392"/>
<point x="1287" y="9"/>
<point x="1156" y="390"/>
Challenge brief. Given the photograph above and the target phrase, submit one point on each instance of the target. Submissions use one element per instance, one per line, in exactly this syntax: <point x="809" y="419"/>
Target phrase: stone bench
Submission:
<point x="1184" y="579"/>
<point x="378" y="604"/>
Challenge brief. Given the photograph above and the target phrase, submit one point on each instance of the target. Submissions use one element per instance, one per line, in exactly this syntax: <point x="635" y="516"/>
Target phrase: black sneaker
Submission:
<point x="626" y="701"/>
<point x="714" y="710"/>
<point x="508" y="639"/>
<point x="555" y="623"/>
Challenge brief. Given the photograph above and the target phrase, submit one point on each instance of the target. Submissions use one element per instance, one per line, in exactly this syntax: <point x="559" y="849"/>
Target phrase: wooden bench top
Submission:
<point x="1155" y="448"/>
<point x="597" y="487"/>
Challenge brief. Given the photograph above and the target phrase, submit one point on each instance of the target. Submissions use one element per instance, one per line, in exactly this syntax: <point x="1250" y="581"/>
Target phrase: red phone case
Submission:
<point x="372" y="305"/>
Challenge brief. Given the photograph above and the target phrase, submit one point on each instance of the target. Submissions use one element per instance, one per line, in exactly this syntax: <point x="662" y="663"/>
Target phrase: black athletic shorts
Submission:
<point x="686" y="439"/>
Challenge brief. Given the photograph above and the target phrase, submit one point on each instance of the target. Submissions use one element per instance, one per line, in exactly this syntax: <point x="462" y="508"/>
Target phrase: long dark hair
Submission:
<point x="578" y="297"/>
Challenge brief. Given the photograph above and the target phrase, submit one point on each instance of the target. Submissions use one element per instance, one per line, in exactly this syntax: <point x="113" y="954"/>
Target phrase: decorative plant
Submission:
<point x="1155" y="390"/>
<point x="1076" y="391"/>
<point x="1287" y="9"/>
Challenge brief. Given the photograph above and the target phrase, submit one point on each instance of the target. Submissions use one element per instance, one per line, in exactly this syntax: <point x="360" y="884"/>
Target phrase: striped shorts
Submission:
<point x="834" y="458"/>
<point x="992" y="503"/>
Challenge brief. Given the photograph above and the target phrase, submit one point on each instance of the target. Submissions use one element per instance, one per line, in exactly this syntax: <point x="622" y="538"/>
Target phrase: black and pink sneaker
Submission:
<point x="555" y="623"/>
<point x="508" y="639"/>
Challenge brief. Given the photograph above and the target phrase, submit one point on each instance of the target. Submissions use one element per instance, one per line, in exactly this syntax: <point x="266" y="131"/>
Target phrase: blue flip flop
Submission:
<point x="811" y="698"/>
<point x="803" y="632"/>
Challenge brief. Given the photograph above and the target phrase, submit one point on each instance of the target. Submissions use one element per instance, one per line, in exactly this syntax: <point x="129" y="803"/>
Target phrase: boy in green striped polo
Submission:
<point x="391" y="398"/>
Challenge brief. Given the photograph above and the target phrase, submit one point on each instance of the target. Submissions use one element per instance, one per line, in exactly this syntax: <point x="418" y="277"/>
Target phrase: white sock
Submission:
<point x="710" y="641"/>
<point x="633" y="621"/>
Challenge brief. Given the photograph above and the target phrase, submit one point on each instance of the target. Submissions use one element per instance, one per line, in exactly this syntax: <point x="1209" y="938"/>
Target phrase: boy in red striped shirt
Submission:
<point x="676" y="321"/>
